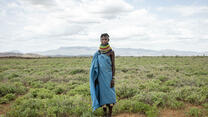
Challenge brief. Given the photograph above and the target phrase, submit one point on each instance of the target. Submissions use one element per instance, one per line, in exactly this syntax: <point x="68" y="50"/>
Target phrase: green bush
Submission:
<point x="205" y="105"/>
<point x="6" y="88"/>
<point x="88" y="114"/>
<point x="2" y="75"/>
<point x="165" y="89"/>
<point x="12" y="75"/>
<point x="126" y="91"/>
<point x="174" y="104"/>
<point x="135" y="106"/>
<point x="158" y="98"/>
<point x="41" y="93"/>
<point x="73" y="83"/>
<point x="194" y="95"/>
<point x="76" y="71"/>
<point x="99" y="112"/>
<point x="49" y="85"/>
<point x="83" y="89"/>
<point x="151" y="75"/>
<point x="37" y="84"/>
<point x="4" y="100"/>
<point x="58" y="105"/>
<point x="194" y="112"/>
<point x="21" y="90"/>
<point x="67" y="105"/>
<point x="150" y="85"/>
<point x="59" y="90"/>
<point x="174" y="82"/>
<point x="26" y="108"/>
<point x="10" y="96"/>
<point x="163" y="78"/>
<point x="200" y="73"/>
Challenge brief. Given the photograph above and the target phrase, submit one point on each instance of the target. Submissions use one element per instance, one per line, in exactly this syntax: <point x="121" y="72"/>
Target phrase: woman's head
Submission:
<point x="104" y="38"/>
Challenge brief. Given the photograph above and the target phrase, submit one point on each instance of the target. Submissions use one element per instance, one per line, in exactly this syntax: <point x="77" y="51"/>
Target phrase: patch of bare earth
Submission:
<point x="129" y="115"/>
<point x="166" y="112"/>
<point x="6" y="107"/>
<point x="177" y="113"/>
<point x="172" y="113"/>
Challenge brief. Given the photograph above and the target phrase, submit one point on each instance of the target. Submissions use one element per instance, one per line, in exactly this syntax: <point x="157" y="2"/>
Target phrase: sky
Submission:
<point x="40" y="25"/>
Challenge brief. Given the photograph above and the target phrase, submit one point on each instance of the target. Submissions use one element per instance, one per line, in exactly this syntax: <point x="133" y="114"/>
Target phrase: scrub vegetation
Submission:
<point x="59" y="87"/>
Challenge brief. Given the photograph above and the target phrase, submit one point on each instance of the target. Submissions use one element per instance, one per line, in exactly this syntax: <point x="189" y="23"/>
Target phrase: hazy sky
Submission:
<point x="39" y="25"/>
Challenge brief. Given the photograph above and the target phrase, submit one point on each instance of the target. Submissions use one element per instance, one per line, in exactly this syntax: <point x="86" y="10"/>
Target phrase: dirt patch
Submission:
<point x="177" y="113"/>
<point x="172" y="113"/>
<point x="4" y="108"/>
<point x="166" y="112"/>
<point x="129" y="115"/>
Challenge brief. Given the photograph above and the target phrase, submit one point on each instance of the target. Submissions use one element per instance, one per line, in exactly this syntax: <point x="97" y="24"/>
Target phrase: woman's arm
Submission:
<point x="113" y="68"/>
<point x="113" y="63"/>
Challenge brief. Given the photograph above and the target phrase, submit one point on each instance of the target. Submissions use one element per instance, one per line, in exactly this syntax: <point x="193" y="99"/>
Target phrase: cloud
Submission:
<point x="108" y="9"/>
<point x="186" y="10"/>
<point x="40" y="3"/>
<point x="35" y="24"/>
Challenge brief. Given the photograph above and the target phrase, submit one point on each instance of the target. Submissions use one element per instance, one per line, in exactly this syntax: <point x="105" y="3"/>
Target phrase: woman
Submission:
<point x="102" y="75"/>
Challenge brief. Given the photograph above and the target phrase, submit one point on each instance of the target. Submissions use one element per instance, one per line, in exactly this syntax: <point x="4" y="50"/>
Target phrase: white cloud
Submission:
<point x="46" y="24"/>
<point x="185" y="10"/>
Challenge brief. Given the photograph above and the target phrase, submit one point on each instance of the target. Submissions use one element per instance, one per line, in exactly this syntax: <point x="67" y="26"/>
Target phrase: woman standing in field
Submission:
<point x="102" y="75"/>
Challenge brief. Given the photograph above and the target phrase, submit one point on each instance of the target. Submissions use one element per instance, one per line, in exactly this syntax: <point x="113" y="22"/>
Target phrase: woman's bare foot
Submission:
<point x="110" y="110"/>
<point x="105" y="110"/>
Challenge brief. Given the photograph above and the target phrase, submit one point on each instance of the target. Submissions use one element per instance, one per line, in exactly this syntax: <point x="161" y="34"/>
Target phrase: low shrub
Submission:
<point x="194" y="112"/>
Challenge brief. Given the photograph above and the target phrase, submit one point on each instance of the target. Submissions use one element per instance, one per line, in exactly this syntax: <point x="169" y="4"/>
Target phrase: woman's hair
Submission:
<point x="104" y="35"/>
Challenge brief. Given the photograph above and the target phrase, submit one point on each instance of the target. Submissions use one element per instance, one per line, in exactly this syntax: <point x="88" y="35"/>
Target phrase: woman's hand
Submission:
<point x="112" y="83"/>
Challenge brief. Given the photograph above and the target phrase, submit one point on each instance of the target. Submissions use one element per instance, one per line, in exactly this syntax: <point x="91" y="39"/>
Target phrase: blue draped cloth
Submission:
<point x="101" y="70"/>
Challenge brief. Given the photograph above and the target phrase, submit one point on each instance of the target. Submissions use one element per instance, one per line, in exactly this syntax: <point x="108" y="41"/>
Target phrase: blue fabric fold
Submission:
<point x="101" y="70"/>
<point x="93" y="76"/>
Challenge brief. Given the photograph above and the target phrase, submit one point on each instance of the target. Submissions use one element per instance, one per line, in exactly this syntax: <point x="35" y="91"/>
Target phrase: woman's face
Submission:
<point x="104" y="40"/>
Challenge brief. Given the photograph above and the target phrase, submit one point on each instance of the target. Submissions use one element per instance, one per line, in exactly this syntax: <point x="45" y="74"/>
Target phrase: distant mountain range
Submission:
<point x="89" y="51"/>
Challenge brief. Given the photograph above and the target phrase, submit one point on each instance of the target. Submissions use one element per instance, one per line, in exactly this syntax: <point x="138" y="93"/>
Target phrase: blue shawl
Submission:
<point x="101" y="69"/>
<point x="93" y="76"/>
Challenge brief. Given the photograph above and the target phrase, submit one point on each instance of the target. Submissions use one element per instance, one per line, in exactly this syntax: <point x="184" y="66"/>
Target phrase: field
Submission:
<point x="145" y="87"/>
